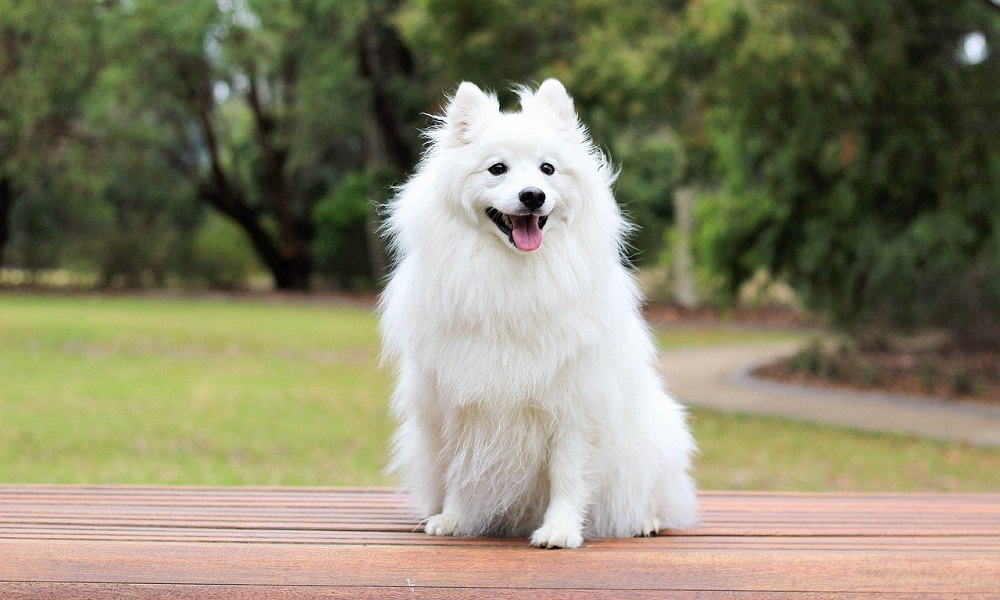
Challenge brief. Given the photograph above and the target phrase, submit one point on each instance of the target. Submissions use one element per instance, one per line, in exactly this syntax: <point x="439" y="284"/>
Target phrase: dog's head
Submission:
<point x="521" y="169"/>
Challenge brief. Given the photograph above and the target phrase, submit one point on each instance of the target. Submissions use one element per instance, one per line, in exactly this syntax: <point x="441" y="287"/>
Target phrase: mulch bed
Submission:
<point x="957" y="375"/>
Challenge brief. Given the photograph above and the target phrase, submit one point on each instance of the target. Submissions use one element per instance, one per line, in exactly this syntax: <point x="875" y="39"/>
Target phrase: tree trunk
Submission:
<point x="6" y="208"/>
<point x="293" y="274"/>
<point x="290" y="267"/>
<point x="383" y="57"/>
<point x="286" y="253"/>
<point x="293" y="268"/>
<point x="290" y="264"/>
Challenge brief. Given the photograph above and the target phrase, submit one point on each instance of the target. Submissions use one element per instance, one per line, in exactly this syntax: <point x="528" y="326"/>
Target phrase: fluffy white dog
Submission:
<point x="528" y="398"/>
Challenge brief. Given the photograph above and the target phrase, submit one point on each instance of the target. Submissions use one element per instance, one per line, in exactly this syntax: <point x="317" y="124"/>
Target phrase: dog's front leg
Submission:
<point x="562" y="526"/>
<point x="449" y="521"/>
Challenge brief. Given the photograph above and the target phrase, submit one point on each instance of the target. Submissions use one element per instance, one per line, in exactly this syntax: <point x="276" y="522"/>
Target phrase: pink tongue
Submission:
<point x="527" y="235"/>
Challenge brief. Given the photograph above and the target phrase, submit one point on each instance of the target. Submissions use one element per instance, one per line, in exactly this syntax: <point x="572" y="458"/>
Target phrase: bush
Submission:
<point x="341" y="248"/>
<point x="809" y="360"/>
<point x="862" y="163"/>
<point x="928" y="377"/>
<point x="962" y="383"/>
<point x="219" y="255"/>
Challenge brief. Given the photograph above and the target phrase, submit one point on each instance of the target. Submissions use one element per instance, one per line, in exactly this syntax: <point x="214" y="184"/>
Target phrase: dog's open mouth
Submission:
<point x="524" y="231"/>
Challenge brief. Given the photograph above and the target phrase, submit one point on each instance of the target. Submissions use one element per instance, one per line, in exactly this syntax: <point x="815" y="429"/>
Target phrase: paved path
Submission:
<point x="718" y="378"/>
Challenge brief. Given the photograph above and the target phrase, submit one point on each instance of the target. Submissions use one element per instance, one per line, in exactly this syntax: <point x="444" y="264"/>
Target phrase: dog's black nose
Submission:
<point x="532" y="197"/>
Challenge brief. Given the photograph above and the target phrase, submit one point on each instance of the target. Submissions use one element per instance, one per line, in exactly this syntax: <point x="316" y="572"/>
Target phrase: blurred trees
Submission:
<point x="619" y="61"/>
<point x="251" y="103"/>
<point x="260" y="110"/>
<point x="48" y="60"/>
<point x="844" y="146"/>
<point x="859" y="148"/>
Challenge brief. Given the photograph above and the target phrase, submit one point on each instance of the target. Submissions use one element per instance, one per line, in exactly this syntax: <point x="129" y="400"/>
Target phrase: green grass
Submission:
<point x="189" y="391"/>
<point x="745" y="452"/>
<point x="184" y="391"/>
<point x="679" y="336"/>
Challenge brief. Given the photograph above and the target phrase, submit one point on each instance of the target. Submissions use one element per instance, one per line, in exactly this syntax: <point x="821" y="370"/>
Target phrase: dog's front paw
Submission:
<point x="443" y="524"/>
<point x="551" y="535"/>
<point x="650" y="528"/>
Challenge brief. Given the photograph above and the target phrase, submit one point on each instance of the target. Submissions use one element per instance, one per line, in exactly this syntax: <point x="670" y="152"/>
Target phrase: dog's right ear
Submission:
<point x="466" y="110"/>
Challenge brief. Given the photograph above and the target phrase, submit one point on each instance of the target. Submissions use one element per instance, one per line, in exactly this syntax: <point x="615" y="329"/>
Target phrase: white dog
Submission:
<point x="528" y="397"/>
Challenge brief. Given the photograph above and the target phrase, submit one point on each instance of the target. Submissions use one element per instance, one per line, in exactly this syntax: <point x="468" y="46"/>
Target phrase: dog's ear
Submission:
<point x="551" y="98"/>
<point x="552" y="95"/>
<point x="469" y="105"/>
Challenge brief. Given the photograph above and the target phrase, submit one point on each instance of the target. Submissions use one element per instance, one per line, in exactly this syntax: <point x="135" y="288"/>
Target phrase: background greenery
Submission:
<point x="160" y="390"/>
<point x="847" y="147"/>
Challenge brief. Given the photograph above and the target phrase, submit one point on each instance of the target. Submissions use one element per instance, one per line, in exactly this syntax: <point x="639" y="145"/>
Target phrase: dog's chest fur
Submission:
<point x="508" y="337"/>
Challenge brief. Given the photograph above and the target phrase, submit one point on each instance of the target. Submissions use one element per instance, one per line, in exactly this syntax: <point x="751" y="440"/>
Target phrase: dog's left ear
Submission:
<point x="551" y="97"/>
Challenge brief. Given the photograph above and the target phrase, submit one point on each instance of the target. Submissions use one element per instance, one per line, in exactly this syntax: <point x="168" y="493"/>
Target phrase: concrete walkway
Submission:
<point x="719" y="378"/>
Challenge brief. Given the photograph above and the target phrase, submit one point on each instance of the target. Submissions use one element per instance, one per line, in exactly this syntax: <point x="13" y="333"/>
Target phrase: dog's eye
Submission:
<point x="497" y="169"/>
<point x="547" y="168"/>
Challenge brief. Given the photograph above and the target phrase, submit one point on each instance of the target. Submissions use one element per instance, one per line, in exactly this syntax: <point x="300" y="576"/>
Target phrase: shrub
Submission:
<point x="862" y="162"/>
<point x="220" y="256"/>
<point x="341" y="248"/>
<point x="961" y="383"/>
<point x="928" y="377"/>
<point x="870" y="375"/>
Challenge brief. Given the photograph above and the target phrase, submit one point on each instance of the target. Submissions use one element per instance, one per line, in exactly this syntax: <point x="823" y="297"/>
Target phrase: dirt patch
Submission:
<point x="777" y="317"/>
<point x="956" y="375"/>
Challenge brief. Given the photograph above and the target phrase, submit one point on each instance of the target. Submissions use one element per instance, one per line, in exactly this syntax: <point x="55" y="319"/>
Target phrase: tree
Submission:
<point x="859" y="148"/>
<point x="256" y="103"/>
<point x="48" y="61"/>
<point x="395" y="101"/>
<point x="608" y="55"/>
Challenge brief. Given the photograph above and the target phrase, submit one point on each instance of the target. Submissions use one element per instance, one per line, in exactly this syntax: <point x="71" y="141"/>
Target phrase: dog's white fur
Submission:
<point x="528" y="398"/>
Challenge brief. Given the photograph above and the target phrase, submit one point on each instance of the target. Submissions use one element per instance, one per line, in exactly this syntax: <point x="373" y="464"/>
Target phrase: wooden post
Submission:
<point x="684" y="286"/>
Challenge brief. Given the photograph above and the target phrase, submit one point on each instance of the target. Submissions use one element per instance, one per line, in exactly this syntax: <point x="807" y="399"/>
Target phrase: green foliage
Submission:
<point x="645" y="189"/>
<point x="218" y="255"/>
<point x="810" y="359"/>
<point x="870" y="375"/>
<point x="342" y="220"/>
<point x="862" y="161"/>
<point x="845" y="147"/>
<point x="962" y="383"/>
<point x="47" y="61"/>
<point x="253" y="103"/>
<point x="491" y="43"/>
<point x="928" y="377"/>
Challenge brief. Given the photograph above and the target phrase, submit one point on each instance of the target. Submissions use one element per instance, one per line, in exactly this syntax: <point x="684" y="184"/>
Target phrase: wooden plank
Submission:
<point x="391" y="566"/>
<point x="502" y="567"/>
<point x="96" y="541"/>
<point x="57" y="591"/>
<point x="966" y="545"/>
<point x="350" y="510"/>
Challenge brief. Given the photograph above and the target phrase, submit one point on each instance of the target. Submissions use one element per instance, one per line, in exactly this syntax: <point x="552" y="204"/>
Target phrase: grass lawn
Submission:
<point x="679" y="336"/>
<point x="200" y="391"/>
<point x="144" y="390"/>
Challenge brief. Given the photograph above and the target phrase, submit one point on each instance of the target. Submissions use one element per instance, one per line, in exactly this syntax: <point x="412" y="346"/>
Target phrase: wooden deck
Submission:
<point x="153" y="542"/>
